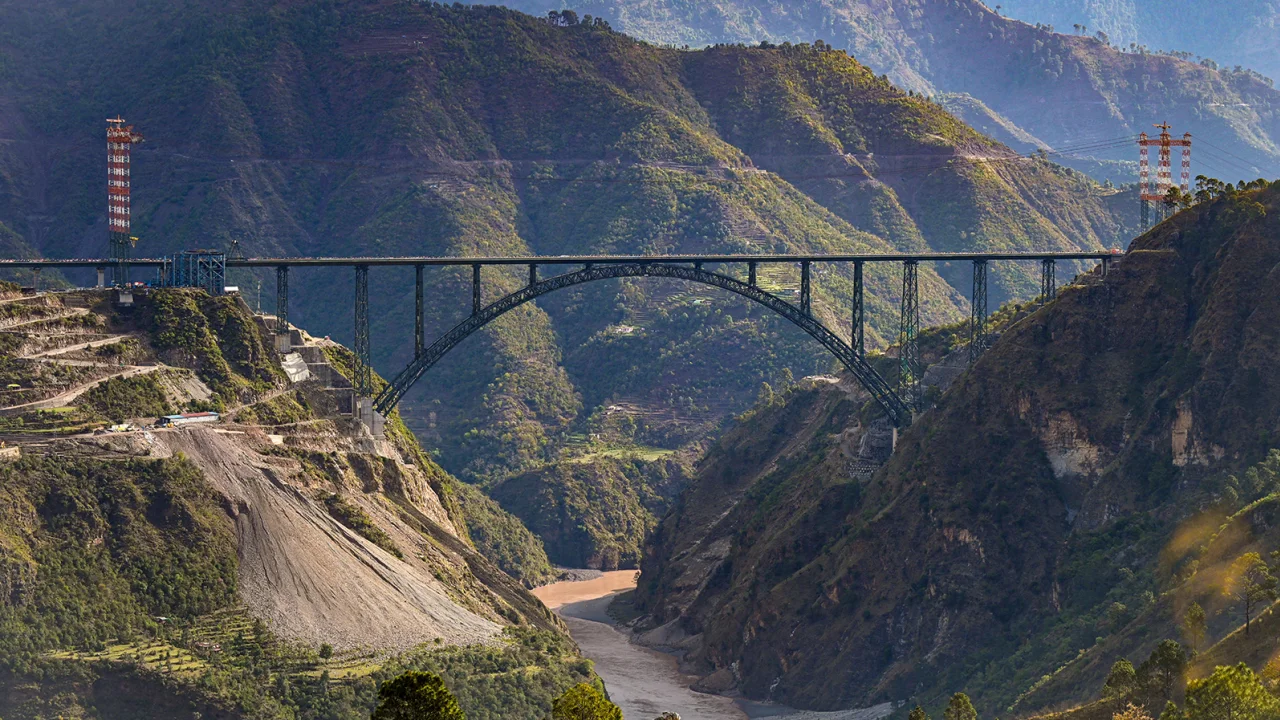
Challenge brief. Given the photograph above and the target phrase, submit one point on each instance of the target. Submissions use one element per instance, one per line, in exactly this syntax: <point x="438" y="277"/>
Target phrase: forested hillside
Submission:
<point x="1058" y="509"/>
<point x="1070" y="90"/>
<point x="340" y="128"/>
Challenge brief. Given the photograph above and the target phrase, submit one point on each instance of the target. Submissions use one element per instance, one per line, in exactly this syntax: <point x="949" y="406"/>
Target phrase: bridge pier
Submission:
<point x="856" y="336"/>
<point x="751" y="273"/>
<point x="475" y="289"/>
<point x="419" y="338"/>
<point x="978" y="312"/>
<point x="102" y="277"/>
<point x="909" y="365"/>
<point x="283" y="343"/>
<point x="806" y="305"/>
<point x="363" y="380"/>
<point x="1048" y="280"/>
<point x="533" y="275"/>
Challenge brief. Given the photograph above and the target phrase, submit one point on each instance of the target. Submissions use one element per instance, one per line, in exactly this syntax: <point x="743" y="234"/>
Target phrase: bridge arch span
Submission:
<point x="897" y="410"/>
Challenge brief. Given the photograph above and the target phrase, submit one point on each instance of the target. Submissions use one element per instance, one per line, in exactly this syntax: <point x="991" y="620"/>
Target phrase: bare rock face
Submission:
<point x="984" y="555"/>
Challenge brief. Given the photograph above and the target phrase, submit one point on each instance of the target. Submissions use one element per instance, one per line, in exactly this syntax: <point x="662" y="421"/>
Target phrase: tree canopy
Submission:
<point x="584" y="702"/>
<point x="417" y="696"/>
<point x="960" y="708"/>
<point x="1230" y="693"/>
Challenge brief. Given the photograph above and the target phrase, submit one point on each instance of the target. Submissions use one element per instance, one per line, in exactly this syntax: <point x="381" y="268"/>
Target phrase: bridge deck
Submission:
<point x="577" y="259"/>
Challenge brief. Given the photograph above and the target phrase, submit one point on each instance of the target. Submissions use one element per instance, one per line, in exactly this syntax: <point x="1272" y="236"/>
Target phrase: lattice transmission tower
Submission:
<point x="1149" y="193"/>
<point x="120" y="141"/>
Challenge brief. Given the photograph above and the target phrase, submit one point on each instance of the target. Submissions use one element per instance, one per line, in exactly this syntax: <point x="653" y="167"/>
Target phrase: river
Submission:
<point x="644" y="682"/>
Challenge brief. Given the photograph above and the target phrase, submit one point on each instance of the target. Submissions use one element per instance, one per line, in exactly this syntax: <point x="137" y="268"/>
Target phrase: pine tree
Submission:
<point x="1194" y="626"/>
<point x="960" y="708"/>
<point x="1250" y="581"/>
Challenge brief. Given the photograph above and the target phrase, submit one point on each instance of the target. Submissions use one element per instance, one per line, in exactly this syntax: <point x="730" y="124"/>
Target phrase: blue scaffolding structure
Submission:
<point x="205" y="269"/>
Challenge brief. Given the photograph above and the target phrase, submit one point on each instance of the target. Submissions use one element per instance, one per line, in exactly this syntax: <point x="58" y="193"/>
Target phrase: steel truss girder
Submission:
<point x="898" y="411"/>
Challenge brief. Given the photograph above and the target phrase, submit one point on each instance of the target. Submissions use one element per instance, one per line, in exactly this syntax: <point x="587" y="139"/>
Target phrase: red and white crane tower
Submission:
<point x="1164" y="175"/>
<point x="120" y="141"/>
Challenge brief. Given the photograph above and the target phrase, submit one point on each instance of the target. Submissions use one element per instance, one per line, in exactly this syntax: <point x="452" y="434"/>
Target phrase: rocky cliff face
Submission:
<point x="1039" y="491"/>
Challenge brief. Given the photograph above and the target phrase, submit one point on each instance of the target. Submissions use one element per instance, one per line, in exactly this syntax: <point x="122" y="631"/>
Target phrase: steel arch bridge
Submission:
<point x="880" y="389"/>
<point x="898" y="404"/>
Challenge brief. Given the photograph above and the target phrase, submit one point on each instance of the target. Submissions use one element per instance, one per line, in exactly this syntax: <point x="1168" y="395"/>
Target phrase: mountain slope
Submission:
<point x="1070" y="91"/>
<point x="1240" y="32"/>
<point x="397" y="128"/>
<point x="1057" y="479"/>
<point x="188" y="564"/>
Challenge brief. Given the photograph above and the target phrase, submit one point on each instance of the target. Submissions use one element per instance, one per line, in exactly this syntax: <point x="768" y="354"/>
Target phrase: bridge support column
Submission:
<point x="102" y="277"/>
<point x="533" y="275"/>
<point x="419" y="339"/>
<point x="978" y="312"/>
<point x="35" y="278"/>
<point x="1048" y="280"/>
<point x="363" y="380"/>
<point x="1106" y="266"/>
<point x="856" y="336"/>
<point x="751" y="273"/>
<point x="806" y="305"/>
<point x="475" y="289"/>
<point x="910" y="371"/>
<point x="283" y="342"/>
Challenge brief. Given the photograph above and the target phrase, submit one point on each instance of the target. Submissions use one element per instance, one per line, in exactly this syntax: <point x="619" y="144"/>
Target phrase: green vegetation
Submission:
<point x="286" y="409"/>
<point x="416" y="696"/>
<point x="212" y="336"/>
<point x="354" y="517"/>
<point x="594" y="514"/>
<point x="118" y="399"/>
<point x="584" y="702"/>
<point x="503" y="538"/>
<point x="93" y="551"/>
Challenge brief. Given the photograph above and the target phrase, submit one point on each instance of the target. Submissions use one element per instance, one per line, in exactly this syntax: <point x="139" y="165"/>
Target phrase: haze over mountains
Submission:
<point x="1234" y="32"/>
<point x="1060" y="91"/>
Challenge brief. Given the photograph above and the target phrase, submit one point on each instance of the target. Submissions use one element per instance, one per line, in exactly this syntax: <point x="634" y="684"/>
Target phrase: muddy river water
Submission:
<point x="643" y="682"/>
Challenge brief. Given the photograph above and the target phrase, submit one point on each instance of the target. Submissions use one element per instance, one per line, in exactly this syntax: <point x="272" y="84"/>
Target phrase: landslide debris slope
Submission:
<point x="272" y="564"/>
<point x="1041" y="492"/>
<point x="385" y="128"/>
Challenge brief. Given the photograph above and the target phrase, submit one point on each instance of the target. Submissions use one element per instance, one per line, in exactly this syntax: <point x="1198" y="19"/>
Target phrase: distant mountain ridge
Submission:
<point x="1234" y="32"/>
<point x="1070" y="91"/>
